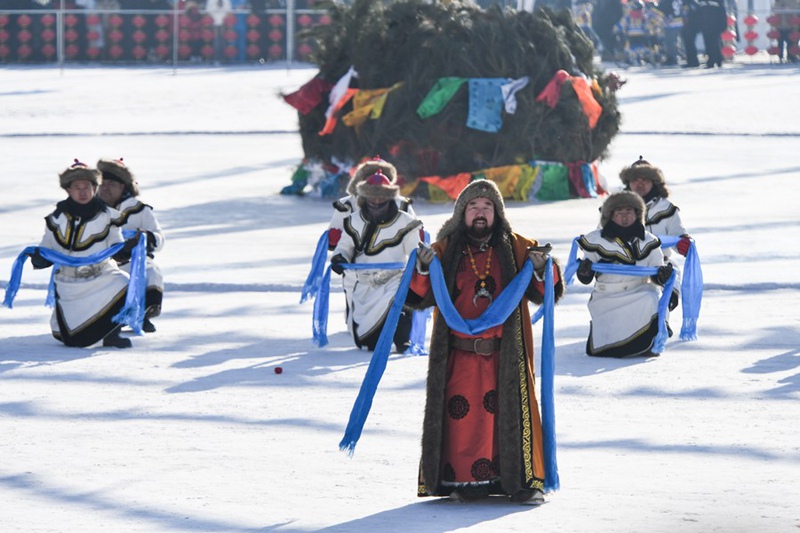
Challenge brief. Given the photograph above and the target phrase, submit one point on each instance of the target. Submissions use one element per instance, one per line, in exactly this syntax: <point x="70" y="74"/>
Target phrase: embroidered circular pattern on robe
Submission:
<point x="490" y="401"/>
<point x="482" y="469"/>
<point x="458" y="407"/>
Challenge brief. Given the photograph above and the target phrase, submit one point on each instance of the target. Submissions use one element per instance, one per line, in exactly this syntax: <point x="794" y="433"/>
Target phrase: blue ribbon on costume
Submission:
<point x="136" y="285"/>
<point x="132" y="313"/>
<point x="317" y="272"/>
<point x="691" y="284"/>
<point x="494" y="315"/>
<point x="548" y="359"/>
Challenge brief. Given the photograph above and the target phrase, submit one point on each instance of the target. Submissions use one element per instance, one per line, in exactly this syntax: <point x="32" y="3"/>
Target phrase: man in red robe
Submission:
<point x="482" y="431"/>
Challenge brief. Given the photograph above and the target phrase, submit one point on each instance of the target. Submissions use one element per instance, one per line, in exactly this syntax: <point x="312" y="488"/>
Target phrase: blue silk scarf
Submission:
<point x="132" y="313"/>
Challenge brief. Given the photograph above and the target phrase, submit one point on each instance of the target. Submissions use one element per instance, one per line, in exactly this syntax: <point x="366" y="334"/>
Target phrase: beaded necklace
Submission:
<point x="485" y="286"/>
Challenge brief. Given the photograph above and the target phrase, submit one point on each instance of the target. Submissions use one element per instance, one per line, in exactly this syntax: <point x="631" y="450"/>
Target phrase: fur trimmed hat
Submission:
<point x="80" y="171"/>
<point x="481" y="188"/>
<point x="367" y="169"/>
<point x="622" y="199"/>
<point x="377" y="187"/>
<point x="643" y="169"/>
<point x="115" y="169"/>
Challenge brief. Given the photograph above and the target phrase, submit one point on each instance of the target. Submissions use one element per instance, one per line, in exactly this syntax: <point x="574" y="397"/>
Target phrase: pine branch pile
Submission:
<point x="416" y="42"/>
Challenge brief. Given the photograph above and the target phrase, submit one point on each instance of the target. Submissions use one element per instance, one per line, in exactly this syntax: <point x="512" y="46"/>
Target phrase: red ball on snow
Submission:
<point x="278" y="370"/>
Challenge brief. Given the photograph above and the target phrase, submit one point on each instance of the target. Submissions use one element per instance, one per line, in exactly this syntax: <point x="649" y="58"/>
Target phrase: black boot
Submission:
<point x="148" y="326"/>
<point x="113" y="340"/>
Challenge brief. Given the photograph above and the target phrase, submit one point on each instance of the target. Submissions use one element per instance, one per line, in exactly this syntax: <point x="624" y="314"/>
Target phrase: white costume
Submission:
<point x="624" y="309"/>
<point x="86" y="296"/>
<point x="371" y="292"/>
<point x="663" y="218"/>
<point x="345" y="206"/>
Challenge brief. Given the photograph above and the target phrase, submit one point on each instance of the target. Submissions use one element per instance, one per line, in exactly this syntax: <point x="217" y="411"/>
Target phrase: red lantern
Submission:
<point x="184" y="51"/>
<point x="93" y="20"/>
<point x="162" y="20"/>
<point x="48" y="50"/>
<point x="139" y="52"/>
<point x="93" y="35"/>
<point x="773" y="20"/>
<point x="207" y="51"/>
<point x="3" y="20"/>
<point x="750" y="35"/>
<point x="750" y="20"/>
<point x="794" y="36"/>
<point x="4" y="35"/>
<point x="139" y="21"/>
<point x="48" y="20"/>
<point x="731" y="20"/>
<point x="71" y="20"/>
<point x="24" y="36"/>
<point x="162" y="35"/>
<point x="303" y="50"/>
<point x="751" y="50"/>
<point x="207" y="35"/>
<point x="115" y="36"/>
<point x="253" y="20"/>
<point x="93" y="52"/>
<point x="23" y="21"/>
<point x="71" y="51"/>
<point x="115" y="51"/>
<point x="772" y="50"/>
<point x="115" y="20"/>
<point x="304" y="20"/>
<point x="23" y="51"/>
<point x="276" y="20"/>
<point x="252" y="35"/>
<point x="794" y="50"/>
<point x="162" y="51"/>
<point x="324" y="20"/>
<point x="71" y="35"/>
<point x="229" y="35"/>
<point x="728" y="35"/>
<point x="230" y="20"/>
<point x="4" y="51"/>
<point x="728" y="51"/>
<point x="773" y="34"/>
<point x="139" y="36"/>
<point x="230" y="51"/>
<point x="275" y="51"/>
<point x="253" y="51"/>
<point x="275" y="35"/>
<point x="795" y="20"/>
<point x="48" y="34"/>
<point x="207" y="20"/>
<point x="184" y="22"/>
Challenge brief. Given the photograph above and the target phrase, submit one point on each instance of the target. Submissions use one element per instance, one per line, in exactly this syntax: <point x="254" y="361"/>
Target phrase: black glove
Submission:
<point x="673" y="300"/>
<point x="662" y="276"/>
<point x="38" y="261"/>
<point x="585" y="272"/>
<point x="425" y="256"/>
<point x="151" y="242"/>
<point x="336" y="263"/>
<point x="124" y="255"/>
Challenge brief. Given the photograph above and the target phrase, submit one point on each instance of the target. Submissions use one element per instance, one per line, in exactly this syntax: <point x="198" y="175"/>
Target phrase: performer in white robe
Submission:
<point x="662" y="217"/>
<point x="377" y="232"/>
<point x="120" y="190"/>
<point x="87" y="297"/>
<point x="624" y="309"/>
<point x="344" y="206"/>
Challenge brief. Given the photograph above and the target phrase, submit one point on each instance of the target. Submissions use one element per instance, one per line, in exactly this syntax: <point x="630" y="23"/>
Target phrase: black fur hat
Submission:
<point x="643" y="169"/>
<point x="79" y="171"/>
<point x="481" y="188"/>
<point x="622" y="199"/>
<point x="116" y="170"/>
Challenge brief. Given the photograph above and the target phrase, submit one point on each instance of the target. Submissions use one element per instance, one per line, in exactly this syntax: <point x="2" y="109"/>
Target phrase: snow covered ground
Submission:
<point x="192" y="430"/>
